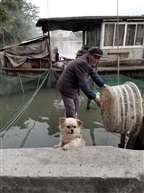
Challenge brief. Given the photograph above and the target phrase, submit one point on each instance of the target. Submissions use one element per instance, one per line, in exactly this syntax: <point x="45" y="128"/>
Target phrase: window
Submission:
<point x="130" y="35"/>
<point x="139" y="34"/>
<point x="123" y="34"/>
<point x="114" y="35"/>
<point x="119" y="35"/>
<point x="108" y="36"/>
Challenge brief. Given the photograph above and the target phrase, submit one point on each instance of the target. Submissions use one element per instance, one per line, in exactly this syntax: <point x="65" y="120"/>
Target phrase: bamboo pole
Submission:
<point x="21" y="82"/>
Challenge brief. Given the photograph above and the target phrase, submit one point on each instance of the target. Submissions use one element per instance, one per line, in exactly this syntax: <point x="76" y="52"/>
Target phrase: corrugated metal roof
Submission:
<point x="80" y="23"/>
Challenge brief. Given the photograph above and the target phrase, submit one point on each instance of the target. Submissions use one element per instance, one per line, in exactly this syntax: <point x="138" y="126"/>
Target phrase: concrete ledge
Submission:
<point x="89" y="170"/>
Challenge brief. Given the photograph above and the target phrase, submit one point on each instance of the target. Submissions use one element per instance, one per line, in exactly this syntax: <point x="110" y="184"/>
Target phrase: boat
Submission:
<point x="28" y="66"/>
<point x="120" y="37"/>
<point x="29" y="57"/>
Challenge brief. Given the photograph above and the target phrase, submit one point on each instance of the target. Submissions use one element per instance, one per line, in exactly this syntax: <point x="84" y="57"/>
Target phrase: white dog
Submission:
<point x="70" y="133"/>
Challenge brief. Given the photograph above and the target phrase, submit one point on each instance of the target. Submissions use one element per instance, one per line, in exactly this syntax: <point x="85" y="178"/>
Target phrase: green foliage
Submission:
<point x="5" y="18"/>
<point x="17" y="20"/>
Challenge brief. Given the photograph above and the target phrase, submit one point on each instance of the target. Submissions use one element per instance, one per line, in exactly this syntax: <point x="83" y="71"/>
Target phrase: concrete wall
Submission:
<point x="93" y="169"/>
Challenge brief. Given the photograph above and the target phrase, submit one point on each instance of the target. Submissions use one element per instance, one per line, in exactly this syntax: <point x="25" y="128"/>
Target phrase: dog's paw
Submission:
<point x="56" y="146"/>
<point x="65" y="147"/>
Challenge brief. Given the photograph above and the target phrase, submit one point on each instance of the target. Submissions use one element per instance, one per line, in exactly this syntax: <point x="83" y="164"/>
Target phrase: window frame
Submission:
<point x="125" y="33"/>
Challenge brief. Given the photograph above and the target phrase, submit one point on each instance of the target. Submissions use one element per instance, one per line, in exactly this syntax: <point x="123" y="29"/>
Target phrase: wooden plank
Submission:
<point x="123" y="68"/>
<point x="118" y="53"/>
<point x="29" y="69"/>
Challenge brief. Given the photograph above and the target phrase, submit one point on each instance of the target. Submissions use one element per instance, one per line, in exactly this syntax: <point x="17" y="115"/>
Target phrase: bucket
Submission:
<point x="122" y="109"/>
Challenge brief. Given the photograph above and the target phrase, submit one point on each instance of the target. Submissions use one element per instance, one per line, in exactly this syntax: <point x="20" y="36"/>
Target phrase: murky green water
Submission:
<point x="38" y="125"/>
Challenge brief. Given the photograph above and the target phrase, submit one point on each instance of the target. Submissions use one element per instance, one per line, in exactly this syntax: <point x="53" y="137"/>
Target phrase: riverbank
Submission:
<point x="96" y="169"/>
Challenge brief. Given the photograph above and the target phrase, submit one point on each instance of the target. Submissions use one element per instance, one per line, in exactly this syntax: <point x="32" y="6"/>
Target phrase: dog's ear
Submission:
<point x="62" y="120"/>
<point x="80" y="123"/>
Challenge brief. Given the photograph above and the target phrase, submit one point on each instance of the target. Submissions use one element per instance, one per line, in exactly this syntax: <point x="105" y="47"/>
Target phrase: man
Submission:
<point x="74" y="77"/>
<point x="55" y="55"/>
<point x="83" y="50"/>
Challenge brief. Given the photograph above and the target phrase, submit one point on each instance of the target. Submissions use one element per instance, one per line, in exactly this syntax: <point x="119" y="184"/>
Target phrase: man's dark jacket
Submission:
<point x="75" y="77"/>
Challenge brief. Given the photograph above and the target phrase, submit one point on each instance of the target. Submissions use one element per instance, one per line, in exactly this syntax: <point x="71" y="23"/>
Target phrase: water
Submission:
<point x="67" y="48"/>
<point x="38" y="126"/>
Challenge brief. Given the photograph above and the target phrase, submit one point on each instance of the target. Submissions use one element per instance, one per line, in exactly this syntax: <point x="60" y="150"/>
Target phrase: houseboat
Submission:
<point x="120" y="37"/>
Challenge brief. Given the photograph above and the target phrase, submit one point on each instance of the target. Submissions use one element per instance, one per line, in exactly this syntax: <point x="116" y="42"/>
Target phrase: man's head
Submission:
<point x="94" y="54"/>
<point x="55" y="49"/>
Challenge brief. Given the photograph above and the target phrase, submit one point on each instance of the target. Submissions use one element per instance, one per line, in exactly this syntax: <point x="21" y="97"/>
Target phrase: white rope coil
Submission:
<point x="122" y="109"/>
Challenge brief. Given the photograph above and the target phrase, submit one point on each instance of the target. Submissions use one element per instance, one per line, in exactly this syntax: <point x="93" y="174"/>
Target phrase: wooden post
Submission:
<point x="137" y="143"/>
<point x="21" y="82"/>
<point x="122" y="141"/>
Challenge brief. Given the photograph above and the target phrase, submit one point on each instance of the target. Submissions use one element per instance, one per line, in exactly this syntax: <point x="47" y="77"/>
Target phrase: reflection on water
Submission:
<point x="67" y="48"/>
<point x="38" y="126"/>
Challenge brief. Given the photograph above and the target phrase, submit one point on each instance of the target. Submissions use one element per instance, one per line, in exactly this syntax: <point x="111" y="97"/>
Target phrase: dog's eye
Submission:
<point x="74" y="126"/>
<point x="68" y="126"/>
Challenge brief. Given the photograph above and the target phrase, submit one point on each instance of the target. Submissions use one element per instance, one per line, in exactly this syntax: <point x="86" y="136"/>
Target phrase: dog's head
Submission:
<point x="70" y="125"/>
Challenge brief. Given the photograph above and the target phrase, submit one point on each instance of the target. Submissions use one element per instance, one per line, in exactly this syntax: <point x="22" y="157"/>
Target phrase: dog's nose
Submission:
<point x="72" y="131"/>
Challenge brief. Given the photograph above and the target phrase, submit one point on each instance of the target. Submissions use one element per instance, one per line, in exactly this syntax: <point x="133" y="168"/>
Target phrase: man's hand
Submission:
<point x="97" y="100"/>
<point x="105" y="86"/>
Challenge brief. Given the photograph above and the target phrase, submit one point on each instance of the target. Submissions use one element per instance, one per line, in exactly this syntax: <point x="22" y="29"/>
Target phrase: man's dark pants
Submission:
<point x="71" y="106"/>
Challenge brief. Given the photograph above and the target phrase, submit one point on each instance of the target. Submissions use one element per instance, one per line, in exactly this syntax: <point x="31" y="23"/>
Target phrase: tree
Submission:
<point x="5" y="18"/>
<point x="16" y="21"/>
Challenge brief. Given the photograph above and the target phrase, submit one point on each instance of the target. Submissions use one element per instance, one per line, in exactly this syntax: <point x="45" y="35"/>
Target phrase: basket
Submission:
<point x="122" y="109"/>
